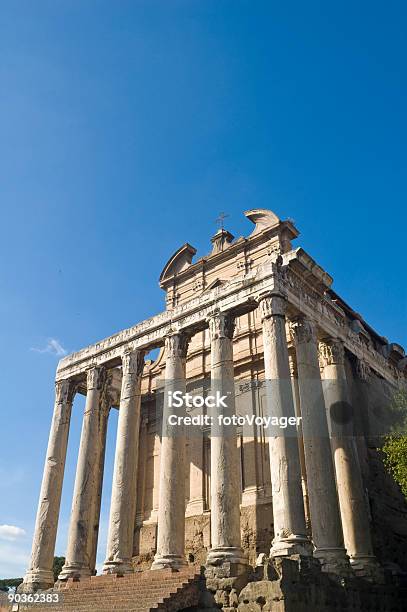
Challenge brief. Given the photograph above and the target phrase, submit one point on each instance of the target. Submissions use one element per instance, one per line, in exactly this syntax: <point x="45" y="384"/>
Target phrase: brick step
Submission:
<point x="142" y="592"/>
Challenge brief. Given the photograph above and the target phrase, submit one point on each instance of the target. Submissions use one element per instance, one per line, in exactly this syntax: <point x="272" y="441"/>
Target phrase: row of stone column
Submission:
<point x="327" y="481"/>
<point x="338" y="516"/>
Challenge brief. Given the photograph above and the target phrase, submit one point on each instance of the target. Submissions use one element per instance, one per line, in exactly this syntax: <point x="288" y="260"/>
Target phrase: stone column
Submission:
<point x="225" y="467"/>
<point x="40" y="574"/>
<point x="79" y="549"/>
<point x="325" y="518"/>
<point x="105" y="406"/>
<point x="292" y="358"/>
<point x="171" y="506"/>
<point x="124" y="487"/>
<point x="288" y="504"/>
<point x="355" y="521"/>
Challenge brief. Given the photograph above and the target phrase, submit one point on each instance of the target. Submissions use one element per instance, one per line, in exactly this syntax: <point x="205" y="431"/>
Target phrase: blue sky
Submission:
<point x="126" y="127"/>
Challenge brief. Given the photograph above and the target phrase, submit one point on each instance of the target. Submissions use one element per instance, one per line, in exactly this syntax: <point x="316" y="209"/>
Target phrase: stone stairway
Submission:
<point x="161" y="590"/>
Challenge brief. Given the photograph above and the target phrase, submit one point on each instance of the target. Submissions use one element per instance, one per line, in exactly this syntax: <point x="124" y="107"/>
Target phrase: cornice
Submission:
<point x="295" y="275"/>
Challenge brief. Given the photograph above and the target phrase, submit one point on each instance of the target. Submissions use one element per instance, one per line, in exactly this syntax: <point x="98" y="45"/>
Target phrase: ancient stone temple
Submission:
<point x="274" y="520"/>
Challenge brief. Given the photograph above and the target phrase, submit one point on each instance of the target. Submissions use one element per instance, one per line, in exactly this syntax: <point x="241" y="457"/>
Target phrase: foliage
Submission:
<point x="395" y="444"/>
<point x="395" y="459"/>
<point x="57" y="566"/>
<point x="8" y="583"/>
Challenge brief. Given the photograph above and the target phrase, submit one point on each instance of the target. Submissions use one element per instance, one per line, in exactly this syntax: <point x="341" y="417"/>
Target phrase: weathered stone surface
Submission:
<point x="171" y="510"/>
<point x="123" y="500"/>
<point x="80" y="549"/>
<point x="177" y="489"/>
<point x="352" y="502"/>
<point x="225" y="496"/>
<point x="324" y="510"/>
<point x="39" y="574"/>
<point x="288" y="505"/>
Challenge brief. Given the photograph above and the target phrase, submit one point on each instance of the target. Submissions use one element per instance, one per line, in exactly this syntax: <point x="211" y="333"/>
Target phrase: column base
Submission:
<point x="334" y="561"/>
<point x="119" y="567"/>
<point x="292" y="545"/>
<point x="226" y="568"/>
<point x="169" y="561"/>
<point x="75" y="571"/>
<point x="232" y="555"/>
<point x="366" y="566"/>
<point x="36" y="580"/>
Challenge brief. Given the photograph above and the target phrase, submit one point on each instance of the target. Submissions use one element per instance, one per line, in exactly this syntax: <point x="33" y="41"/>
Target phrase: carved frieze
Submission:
<point x="269" y="276"/>
<point x="363" y="370"/>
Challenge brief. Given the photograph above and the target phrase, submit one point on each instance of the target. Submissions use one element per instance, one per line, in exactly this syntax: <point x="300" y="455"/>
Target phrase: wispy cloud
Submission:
<point x="53" y="347"/>
<point x="14" y="559"/>
<point x="11" y="532"/>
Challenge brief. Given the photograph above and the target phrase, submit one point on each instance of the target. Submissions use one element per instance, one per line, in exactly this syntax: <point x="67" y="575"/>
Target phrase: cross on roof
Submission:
<point x="220" y="220"/>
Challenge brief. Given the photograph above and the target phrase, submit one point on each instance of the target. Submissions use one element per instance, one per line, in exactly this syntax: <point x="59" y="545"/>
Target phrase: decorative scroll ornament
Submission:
<point x="331" y="352"/>
<point x="363" y="371"/>
<point x="272" y="305"/>
<point x="221" y="325"/>
<point x="302" y="330"/>
<point x="64" y="391"/>
<point x="176" y="345"/>
<point x="94" y="378"/>
<point x="133" y="362"/>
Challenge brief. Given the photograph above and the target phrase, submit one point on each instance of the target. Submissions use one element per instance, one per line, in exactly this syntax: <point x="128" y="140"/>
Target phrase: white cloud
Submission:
<point x="11" y="533"/>
<point x="53" y="346"/>
<point x="14" y="560"/>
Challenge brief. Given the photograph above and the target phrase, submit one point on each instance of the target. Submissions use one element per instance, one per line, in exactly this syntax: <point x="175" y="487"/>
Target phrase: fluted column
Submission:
<point x="288" y="505"/>
<point x="40" y="574"/>
<point x="355" y="521"/>
<point x="324" y="509"/>
<point x="124" y="487"/>
<point x="80" y="537"/>
<point x="171" y="508"/>
<point x="225" y="467"/>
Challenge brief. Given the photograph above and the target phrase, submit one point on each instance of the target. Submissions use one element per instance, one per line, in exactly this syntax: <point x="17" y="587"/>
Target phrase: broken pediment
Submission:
<point x="262" y="218"/>
<point x="179" y="261"/>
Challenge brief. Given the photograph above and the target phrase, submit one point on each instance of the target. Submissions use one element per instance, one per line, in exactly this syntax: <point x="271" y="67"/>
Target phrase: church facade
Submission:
<point x="256" y="320"/>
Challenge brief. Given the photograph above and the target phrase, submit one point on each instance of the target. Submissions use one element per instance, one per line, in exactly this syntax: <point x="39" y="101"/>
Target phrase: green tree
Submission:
<point x="395" y="444"/>
<point x="9" y="583"/>
<point x="57" y="566"/>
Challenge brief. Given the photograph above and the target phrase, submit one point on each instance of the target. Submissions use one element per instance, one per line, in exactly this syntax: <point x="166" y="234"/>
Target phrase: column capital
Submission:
<point x="331" y="352"/>
<point x="132" y="362"/>
<point x="221" y="325"/>
<point x="272" y="304"/>
<point x="176" y="344"/>
<point x="302" y="330"/>
<point x="65" y="391"/>
<point x="95" y="377"/>
<point x="292" y="362"/>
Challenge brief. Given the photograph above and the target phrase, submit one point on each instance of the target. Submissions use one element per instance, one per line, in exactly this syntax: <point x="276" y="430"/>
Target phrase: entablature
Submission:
<point x="295" y="274"/>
